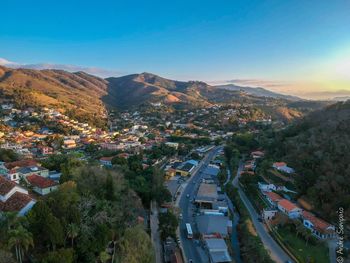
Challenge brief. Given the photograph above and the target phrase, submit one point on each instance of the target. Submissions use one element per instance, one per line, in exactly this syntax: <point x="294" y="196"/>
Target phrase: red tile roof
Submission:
<point x="21" y="163"/>
<point x="16" y="202"/>
<point x="39" y="181"/>
<point x="6" y="185"/>
<point x="288" y="205"/>
<point x="318" y="223"/>
<point x="273" y="196"/>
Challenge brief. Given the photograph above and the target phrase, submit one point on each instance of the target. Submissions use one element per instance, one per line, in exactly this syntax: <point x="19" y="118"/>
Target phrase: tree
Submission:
<point x="72" y="232"/>
<point x="20" y="239"/>
<point x="59" y="256"/>
<point x="109" y="188"/>
<point x="136" y="246"/>
<point x="168" y="224"/>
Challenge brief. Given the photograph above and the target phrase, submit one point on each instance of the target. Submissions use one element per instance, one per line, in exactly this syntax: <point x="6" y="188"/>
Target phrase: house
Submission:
<point x="217" y="249"/>
<point x="174" y="145"/>
<point x="272" y="198"/>
<point x="257" y="154"/>
<point x="106" y="161"/>
<point x="69" y="144"/>
<point x="45" y="150"/>
<point x="290" y="209"/>
<point x="41" y="185"/>
<point x="14" y="198"/>
<point x="269" y="214"/>
<point x="26" y="171"/>
<point x="320" y="228"/>
<point x="266" y="187"/>
<point x="282" y="166"/>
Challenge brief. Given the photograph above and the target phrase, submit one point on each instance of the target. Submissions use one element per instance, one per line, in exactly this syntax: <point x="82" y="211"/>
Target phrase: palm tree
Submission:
<point x="72" y="232"/>
<point x="21" y="239"/>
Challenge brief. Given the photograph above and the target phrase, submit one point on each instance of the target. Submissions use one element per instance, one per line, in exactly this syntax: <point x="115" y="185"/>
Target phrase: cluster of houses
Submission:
<point x="320" y="228"/>
<point x="25" y="172"/>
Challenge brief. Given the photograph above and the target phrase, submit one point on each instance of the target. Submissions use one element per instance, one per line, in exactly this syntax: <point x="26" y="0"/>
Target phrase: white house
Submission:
<point x="282" y="166"/>
<point x="14" y="198"/>
<point x="320" y="228"/>
<point x="290" y="209"/>
<point x="266" y="187"/>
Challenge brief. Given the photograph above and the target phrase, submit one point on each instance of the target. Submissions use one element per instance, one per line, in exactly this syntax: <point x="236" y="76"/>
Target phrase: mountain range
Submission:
<point x="87" y="94"/>
<point x="261" y="92"/>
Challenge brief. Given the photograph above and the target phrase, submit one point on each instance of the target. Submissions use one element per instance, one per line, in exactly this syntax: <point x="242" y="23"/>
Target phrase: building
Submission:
<point x="266" y="187"/>
<point x="217" y="249"/>
<point x="106" y="161"/>
<point x="26" y="171"/>
<point x="41" y="185"/>
<point x="174" y="145"/>
<point x="216" y="225"/>
<point x="185" y="169"/>
<point x="269" y="214"/>
<point x="14" y="198"/>
<point x="257" y="154"/>
<point x="290" y="209"/>
<point x="282" y="166"/>
<point x="273" y="198"/>
<point x="320" y="228"/>
<point x="207" y="195"/>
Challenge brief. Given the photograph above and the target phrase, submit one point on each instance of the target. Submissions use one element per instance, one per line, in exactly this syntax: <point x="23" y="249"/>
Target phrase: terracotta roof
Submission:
<point x="6" y="185"/>
<point x="39" y="181"/>
<point x="273" y="196"/>
<point x="280" y="164"/>
<point x="318" y="223"/>
<point x="16" y="202"/>
<point x="22" y="163"/>
<point x="288" y="205"/>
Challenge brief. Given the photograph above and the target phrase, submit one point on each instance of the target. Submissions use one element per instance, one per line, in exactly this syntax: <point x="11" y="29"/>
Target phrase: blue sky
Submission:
<point x="208" y="40"/>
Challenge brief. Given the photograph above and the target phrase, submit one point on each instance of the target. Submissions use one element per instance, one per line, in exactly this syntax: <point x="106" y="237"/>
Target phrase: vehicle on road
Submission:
<point x="189" y="231"/>
<point x="180" y="216"/>
<point x="188" y="196"/>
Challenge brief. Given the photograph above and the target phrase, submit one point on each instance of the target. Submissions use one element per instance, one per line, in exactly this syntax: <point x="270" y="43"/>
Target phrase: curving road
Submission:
<point x="276" y="252"/>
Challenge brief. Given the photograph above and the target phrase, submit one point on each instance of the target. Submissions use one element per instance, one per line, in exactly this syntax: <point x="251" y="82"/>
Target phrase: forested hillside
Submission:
<point x="318" y="147"/>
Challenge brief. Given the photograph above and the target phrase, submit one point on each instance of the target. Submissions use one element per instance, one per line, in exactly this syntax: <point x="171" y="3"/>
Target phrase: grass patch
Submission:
<point x="317" y="252"/>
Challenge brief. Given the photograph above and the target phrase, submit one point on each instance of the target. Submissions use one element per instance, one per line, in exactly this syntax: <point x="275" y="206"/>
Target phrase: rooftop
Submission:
<point x="40" y="181"/>
<point x="207" y="190"/>
<point x="16" y="202"/>
<point x="288" y="205"/>
<point x="6" y="185"/>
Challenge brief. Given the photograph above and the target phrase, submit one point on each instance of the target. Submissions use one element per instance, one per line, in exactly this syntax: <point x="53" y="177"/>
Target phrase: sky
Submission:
<point x="291" y="46"/>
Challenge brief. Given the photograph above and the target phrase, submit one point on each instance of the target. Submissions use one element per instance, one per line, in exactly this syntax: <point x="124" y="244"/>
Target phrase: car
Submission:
<point x="180" y="216"/>
<point x="188" y="196"/>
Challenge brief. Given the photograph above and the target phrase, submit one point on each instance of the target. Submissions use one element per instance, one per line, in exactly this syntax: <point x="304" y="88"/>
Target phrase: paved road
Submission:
<point x="154" y="222"/>
<point x="191" y="247"/>
<point x="276" y="252"/>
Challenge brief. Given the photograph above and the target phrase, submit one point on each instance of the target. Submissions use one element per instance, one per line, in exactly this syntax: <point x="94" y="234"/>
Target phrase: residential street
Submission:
<point x="276" y="252"/>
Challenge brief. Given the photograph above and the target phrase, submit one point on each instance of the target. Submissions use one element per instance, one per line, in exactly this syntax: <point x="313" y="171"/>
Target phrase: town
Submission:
<point x="218" y="191"/>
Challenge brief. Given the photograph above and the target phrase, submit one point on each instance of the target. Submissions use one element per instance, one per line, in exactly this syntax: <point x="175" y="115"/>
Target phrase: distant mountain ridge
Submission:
<point x="86" y="96"/>
<point x="260" y="92"/>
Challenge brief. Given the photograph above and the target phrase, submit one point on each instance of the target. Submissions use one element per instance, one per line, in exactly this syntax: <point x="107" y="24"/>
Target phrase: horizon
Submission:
<point x="292" y="48"/>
